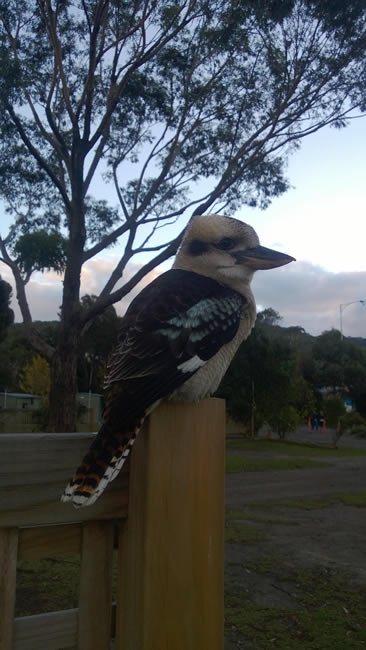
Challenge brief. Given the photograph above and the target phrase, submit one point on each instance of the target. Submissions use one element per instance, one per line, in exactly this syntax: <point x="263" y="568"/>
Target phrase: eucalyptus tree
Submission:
<point x="176" y="107"/>
<point x="6" y="313"/>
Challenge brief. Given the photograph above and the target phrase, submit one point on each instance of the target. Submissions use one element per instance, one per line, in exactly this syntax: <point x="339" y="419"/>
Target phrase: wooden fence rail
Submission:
<point x="166" y="513"/>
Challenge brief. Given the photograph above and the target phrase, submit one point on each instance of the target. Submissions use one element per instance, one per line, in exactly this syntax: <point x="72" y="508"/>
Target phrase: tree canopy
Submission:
<point x="275" y="378"/>
<point x="6" y="313"/>
<point x="178" y="107"/>
<point x="282" y="379"/>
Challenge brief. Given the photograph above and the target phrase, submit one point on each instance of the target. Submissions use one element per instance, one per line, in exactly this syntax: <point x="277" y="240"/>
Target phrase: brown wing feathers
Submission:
<point x="175" y="319"/>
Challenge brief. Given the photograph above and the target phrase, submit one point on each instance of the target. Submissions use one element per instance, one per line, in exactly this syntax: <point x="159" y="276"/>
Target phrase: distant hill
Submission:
<point x="300" y="337"/>
<point x="293" y="334"/>
<point x="357" y="340"/>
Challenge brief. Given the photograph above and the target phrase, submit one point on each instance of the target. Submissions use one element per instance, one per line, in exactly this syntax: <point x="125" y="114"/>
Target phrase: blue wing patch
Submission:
<point x="171" y="329"/>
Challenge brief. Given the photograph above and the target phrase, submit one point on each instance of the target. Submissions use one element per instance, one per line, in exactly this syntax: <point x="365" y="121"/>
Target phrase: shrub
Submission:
<point x="352" y="422"/>
<point x="359" y="430"/>
<point x="333" y="408"/>
<point x="284" y="420"/>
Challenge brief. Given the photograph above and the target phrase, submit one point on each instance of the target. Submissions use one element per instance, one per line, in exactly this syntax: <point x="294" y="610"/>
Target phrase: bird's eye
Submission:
<point x="226" y="244"/>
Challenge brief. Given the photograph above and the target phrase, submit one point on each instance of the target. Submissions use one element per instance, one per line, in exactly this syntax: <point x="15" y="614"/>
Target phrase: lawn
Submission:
<point x="273" y="599"/>
<point x="285" y="448"/>
<point x="300" y="608"/>
<point x="241" y="464"/>
<point x="328" y="613"/>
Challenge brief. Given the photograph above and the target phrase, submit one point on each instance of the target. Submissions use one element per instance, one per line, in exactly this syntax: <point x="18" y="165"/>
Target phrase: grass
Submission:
<point x="237" y="529"/>
<point x="240" y="464"/>
<point x="247" y="514"/>
<point x="330" y="614"/>
<point x="327" y="612"/>
<point x="242" y="533"/>
<point x="50" y="584"/>
<point x="47" y="585"/>
<point x="293" y="448"/>
<point x="263" y="564"/>
<point x="355" y="499"/>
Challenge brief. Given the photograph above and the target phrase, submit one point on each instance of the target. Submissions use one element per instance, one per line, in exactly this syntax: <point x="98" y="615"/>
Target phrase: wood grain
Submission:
<point x="34" y="469"/>
<point x="48" y="541"/>
<point x="8" y="563"/>
<point x="170" y="592"/>
<point x="95" y="601"/>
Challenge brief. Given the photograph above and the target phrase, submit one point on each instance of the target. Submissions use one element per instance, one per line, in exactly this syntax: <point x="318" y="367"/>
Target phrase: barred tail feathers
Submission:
<point x="100" y="466"/>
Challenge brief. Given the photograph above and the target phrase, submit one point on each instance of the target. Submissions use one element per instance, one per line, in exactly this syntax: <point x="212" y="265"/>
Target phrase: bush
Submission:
<point x="351" y="422"/>
<point x="333" y="408"/>
<point x="359" y="430"/>
<point x="284" y="420"/>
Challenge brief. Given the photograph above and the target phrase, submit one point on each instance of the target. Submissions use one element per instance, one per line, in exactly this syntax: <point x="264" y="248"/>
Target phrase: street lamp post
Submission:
<point x="342" y="307"/>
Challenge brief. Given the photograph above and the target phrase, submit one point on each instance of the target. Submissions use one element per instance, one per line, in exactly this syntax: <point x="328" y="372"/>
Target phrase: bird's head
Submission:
<point x="225" y="249"/>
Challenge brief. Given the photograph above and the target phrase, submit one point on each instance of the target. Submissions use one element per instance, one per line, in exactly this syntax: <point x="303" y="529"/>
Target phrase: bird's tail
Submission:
<point x="101" y="465"/>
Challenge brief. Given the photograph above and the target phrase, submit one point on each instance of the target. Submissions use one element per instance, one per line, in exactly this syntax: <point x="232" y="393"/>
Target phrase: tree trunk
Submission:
<point x="64" y="388"/>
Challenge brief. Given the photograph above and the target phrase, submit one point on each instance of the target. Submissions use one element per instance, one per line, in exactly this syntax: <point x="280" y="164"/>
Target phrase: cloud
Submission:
<point x="44" y="290"/>
<point x="96" y="273"/>
<point x="304" y="294"/>
<point x="44" y="294"/>
<point x="310" y="296"/>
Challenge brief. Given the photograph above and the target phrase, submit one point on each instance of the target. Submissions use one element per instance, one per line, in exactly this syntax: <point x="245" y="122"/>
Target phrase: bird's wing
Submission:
<point x="173" y="327"/>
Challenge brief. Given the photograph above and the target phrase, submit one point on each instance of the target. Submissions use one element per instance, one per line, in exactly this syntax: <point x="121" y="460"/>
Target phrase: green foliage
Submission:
<point x="351" y="420"/>
<point x="6" y="313"/>
<point x="202" y="95"/>
<point x="335" y="363"/>
<point x="41" y="251"/>
<point x="354" y="424"/>
<point x="328" y="355"/>
<point x="96" y="346"/>
<point x="35" y="377"/>
<point x="359" y="430"/>
<point x="303" y="398"/>
<point x="14" y="353"/>
<point x="333" y="408"/>
<point x="155" y="98"/>
<point x="263" y="376"/>
<point x="268" y="316"/>
<point x="283" y="420"/>
<point x="286" y="371"/>
<point x="94" y="350"/>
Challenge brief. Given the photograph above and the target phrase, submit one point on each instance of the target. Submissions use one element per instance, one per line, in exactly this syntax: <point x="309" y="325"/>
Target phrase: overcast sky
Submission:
<point x="320" y="221"/>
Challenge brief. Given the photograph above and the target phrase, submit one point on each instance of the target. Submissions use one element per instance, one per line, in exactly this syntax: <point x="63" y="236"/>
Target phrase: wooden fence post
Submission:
<point x="8" y="567"/>
<point x="170" y="593"/>
<point x="95" y="603"/>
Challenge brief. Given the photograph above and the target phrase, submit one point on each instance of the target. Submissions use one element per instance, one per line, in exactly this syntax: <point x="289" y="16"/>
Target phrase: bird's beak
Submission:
<point x="260" y="257"/>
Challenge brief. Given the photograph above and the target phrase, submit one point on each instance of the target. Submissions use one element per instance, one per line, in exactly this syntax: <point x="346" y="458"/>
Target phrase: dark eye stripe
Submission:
<point x="197" y="247"/>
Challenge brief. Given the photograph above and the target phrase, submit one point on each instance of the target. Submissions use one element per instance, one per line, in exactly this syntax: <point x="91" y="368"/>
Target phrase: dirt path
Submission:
<point x="323" y="536"/>
<point x="346" y="475"/>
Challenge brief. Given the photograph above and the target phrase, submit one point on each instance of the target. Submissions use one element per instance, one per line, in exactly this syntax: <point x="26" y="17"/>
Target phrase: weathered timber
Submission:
<point x="8" y="560"/>
<point x="34" y="470"/>
<point x="170" y="586"/>
<point x="170" y="592"/>
<point x="48" y="541"/>
<point x="95" y="601"/>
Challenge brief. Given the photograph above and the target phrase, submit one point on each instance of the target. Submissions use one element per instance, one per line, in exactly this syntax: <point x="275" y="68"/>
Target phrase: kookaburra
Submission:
<point x="178" y="338"/>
